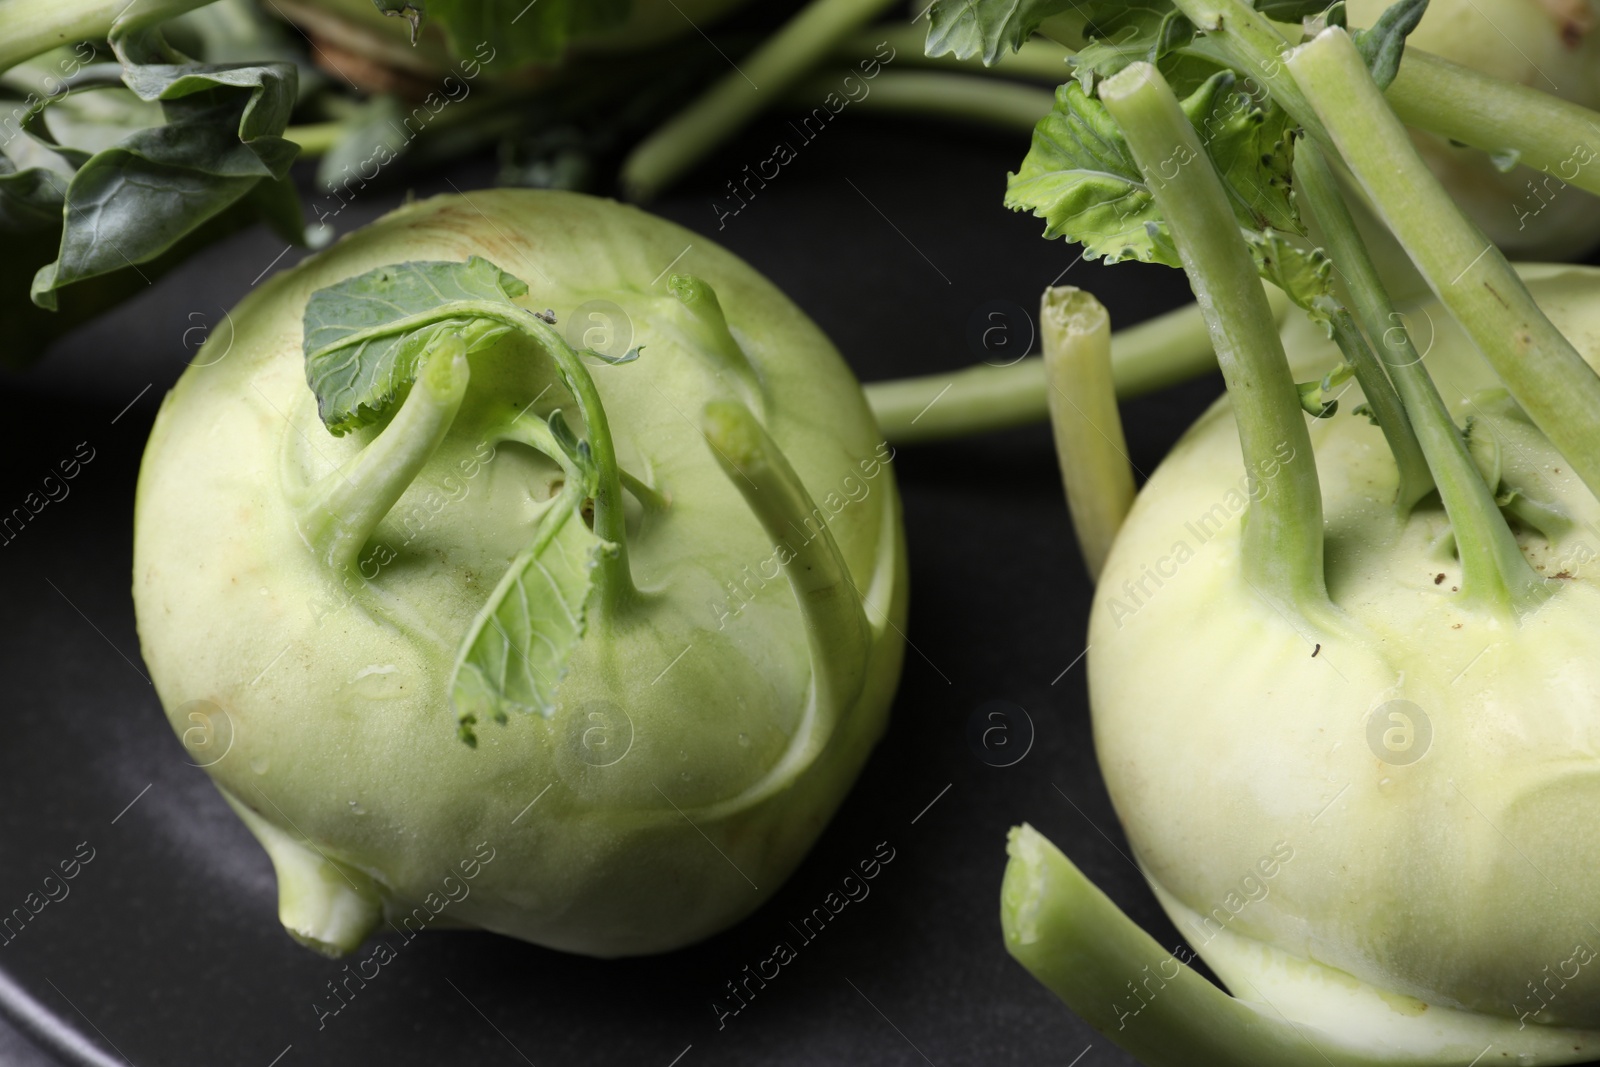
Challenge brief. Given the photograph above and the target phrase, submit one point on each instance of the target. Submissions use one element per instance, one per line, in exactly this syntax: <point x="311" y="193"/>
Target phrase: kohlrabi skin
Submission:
<point x="1382" y="828"/>
<point x="564" y="601"/>
<point x="1549" y="45"/>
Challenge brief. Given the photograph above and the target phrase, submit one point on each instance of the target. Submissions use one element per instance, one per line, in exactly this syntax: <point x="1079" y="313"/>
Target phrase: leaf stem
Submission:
<point x="1168" y="349"/>
<point x="756" y="82"/>
<point x="36" y="26"/>
<point x="1549" y="134"/>
<point x="1415" y="480"/>
<point x="1095" y="469"/>
<point x="1468" y="274"/>
<point x="1494" y="570"/>
<point x="963" y="97"/>
<point x="1282" y="549"/>
<point x="830" y="604"/>
<point x="347" y="505"/>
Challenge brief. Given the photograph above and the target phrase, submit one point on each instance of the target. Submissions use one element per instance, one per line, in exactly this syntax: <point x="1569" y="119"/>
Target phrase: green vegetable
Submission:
<point x="558" y="554"/>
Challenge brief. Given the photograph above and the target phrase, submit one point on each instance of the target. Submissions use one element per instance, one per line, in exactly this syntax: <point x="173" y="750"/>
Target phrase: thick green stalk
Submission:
<point x="1415" y="480"/>
<point x="1282" y="550"/>
<point x="1468" y="274"/>
<point x="965" y="97"/>
<point x="1095" y="469"/>
<point x="1162" y="351"/>
<point x="1548" y="133"/>
<point x="32" y="27"/>
<point x="1037" y="59"/>
<point x="756" y="82"/>
<point x="1494" y="570"/>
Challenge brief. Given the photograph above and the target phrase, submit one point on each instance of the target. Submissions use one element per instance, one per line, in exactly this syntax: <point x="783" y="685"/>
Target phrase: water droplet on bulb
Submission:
<point x="377" y="682"/>
<point x="356" y="808"/>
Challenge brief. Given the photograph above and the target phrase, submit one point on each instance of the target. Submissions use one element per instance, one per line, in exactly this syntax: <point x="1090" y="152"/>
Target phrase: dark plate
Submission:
<point x="167" y="949"/>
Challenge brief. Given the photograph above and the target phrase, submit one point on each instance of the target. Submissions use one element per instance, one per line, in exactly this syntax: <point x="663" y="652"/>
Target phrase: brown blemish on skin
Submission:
<point x="1438" y="579"/>
<point x="1573" y="18"/>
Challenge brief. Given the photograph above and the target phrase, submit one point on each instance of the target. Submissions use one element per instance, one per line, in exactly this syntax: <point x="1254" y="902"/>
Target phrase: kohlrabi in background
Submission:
<point x="525" y="526"/>
<point x="1345" y="694"/>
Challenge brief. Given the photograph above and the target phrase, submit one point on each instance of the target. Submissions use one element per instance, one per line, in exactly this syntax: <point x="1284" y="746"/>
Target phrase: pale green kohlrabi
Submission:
<point x="1377" y="833"/>
<point x="622" y="614"/>
<point x="1549" y="45"/>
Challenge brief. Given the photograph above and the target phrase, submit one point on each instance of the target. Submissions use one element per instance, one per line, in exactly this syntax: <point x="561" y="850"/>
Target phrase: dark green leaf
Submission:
<point x="131" y="202"/>
<point x="1120" y="34"/>
<point x="1081" y="178"/>
<point x="1383" y="45"/>
<point x="987" y="28"/>
<point x="365" y="336"/>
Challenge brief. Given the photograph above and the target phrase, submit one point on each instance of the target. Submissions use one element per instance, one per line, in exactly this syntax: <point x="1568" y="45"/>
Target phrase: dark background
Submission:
<point x="168" y="950"/>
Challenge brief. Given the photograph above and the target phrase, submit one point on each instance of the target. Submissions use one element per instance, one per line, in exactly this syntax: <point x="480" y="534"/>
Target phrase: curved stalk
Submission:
<point x="755" y="83"/>
<point x="1037" y="59"/>
<point x="830" y="604"/>
<point x="1095" y="469"/>
<point x="1170" y="348"/>
<point x="1467" y="273"/>
<point x="1494" y="571"/>
<point x="965" y="97"/>
<point x="347" y="505"/>
<point x="1282" y="547"/>
<point x="1080" y="945"/>
<point x="36" y="26"/>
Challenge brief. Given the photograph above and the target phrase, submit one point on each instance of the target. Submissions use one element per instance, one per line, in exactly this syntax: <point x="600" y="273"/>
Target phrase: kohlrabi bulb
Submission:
<point x="523" y="562"/>
<point x="1549" y="45"/>
<point x="1386" y="836"/>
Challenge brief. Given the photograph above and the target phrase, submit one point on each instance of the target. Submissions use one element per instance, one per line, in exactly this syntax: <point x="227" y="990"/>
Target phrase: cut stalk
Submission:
<point x="1095" y="469"/>
<point x="346" y="507"/>
<point x="1494" y="571"/>
<point x="1162" y="351"/>
<point x="1549" y="134"/>
<point x="964" y="97"/>
<point x="1468" y="274"/>
<point x="1282" y="548"/>
<point x="755" y="83"/>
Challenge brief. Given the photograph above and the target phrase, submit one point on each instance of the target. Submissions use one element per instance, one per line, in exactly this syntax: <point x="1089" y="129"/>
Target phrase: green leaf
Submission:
<point x="987" y="28"/>
<point x="515" y="654"/>
<point x="1080" y="177"/>
<point x="509" y="34"/>
<point x="365" y="336"/>
<point x="1303" y="274"/>
<point x="129" y="203"/>
<point x="1120" y="34"/>
<point x="1384" y="44"/>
